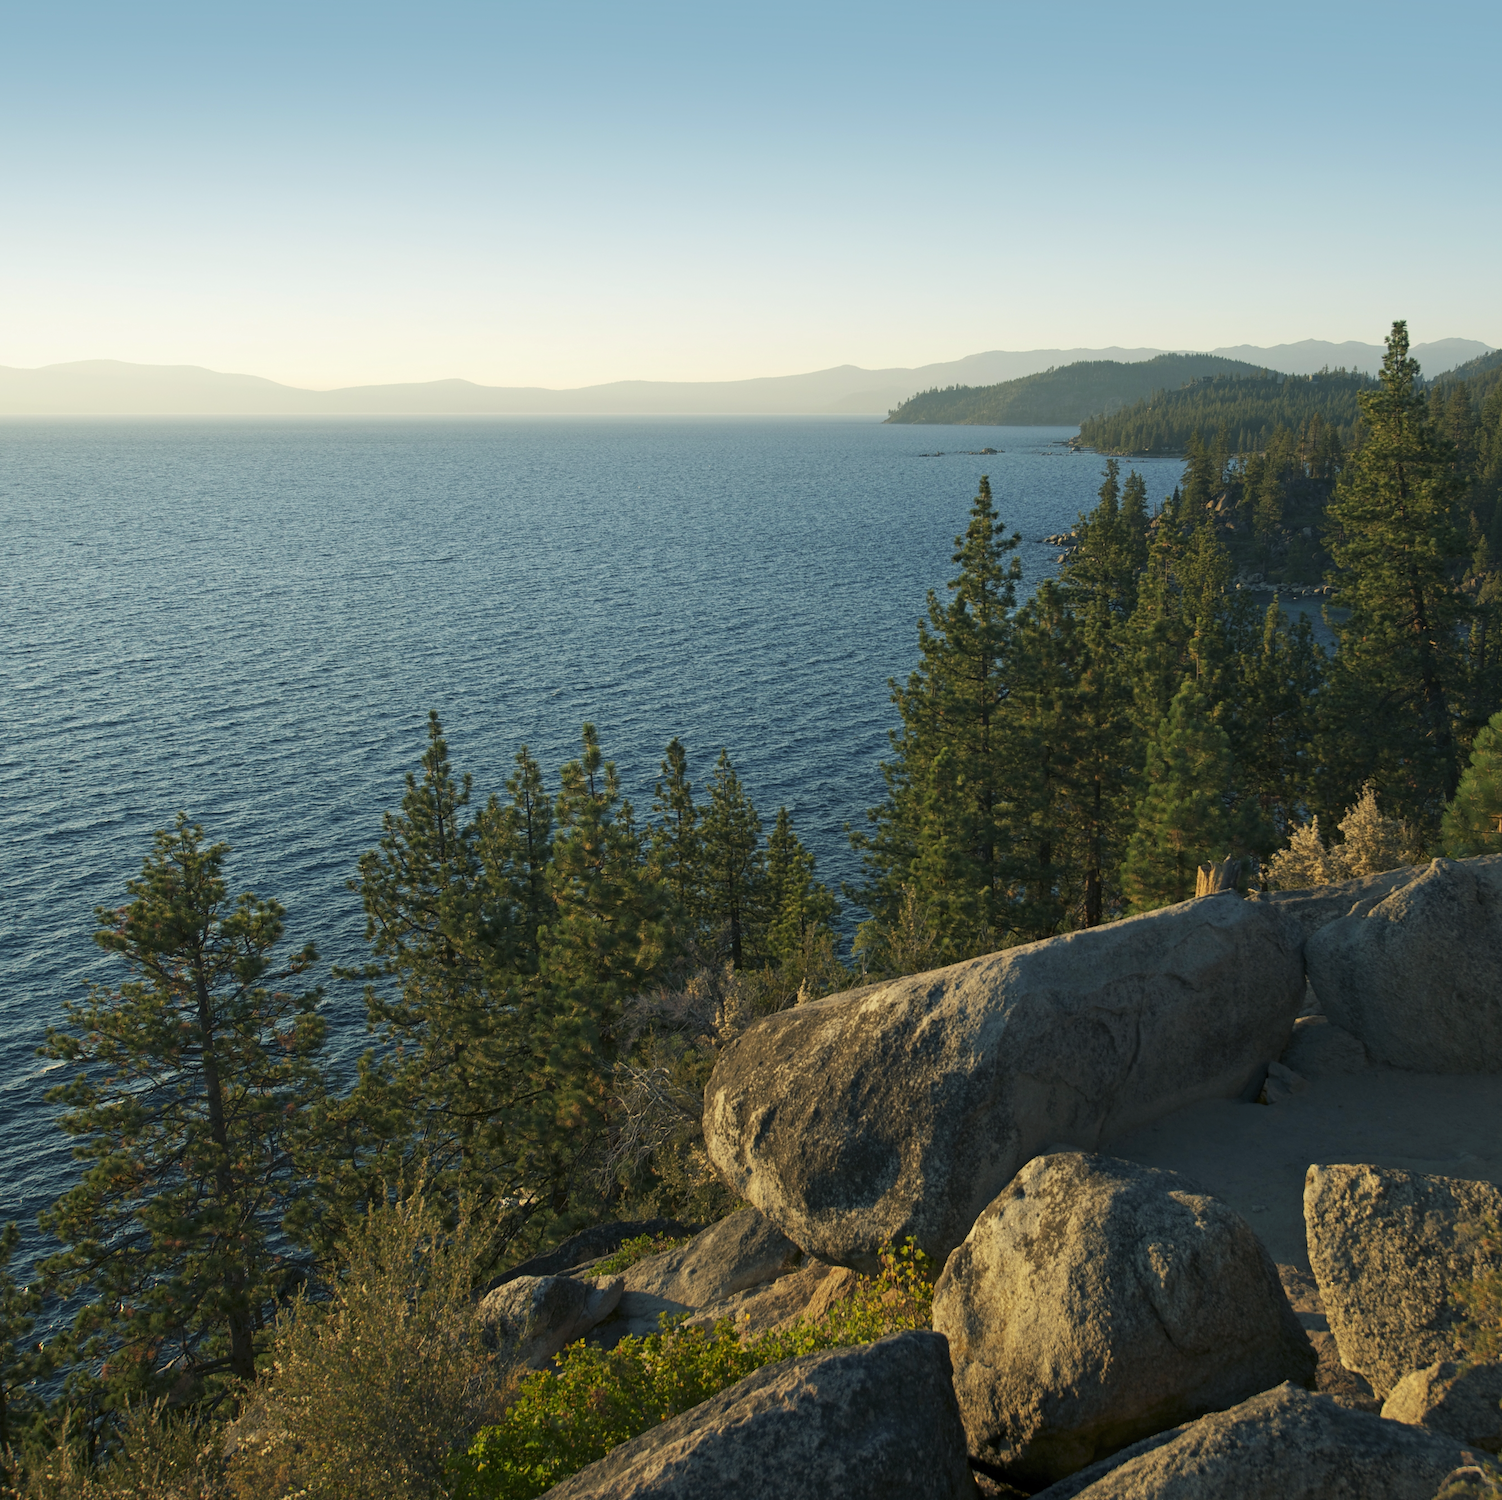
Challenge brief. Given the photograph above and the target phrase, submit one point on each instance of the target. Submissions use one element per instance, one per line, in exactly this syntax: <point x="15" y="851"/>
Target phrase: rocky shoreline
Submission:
<point x="1103" y="1327"/>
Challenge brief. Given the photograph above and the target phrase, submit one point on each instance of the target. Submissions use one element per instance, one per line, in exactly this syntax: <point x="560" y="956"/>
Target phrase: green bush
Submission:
<point x="633" y="1250"/>
<point x="564" y="1419"/>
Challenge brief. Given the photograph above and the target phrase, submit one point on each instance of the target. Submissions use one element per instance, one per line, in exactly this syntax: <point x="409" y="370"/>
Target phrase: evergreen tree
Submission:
<point x="1473" y="821"/>
<point x="197" y="1075"/>
<point x="1182" y="817"/>
<point x="1270" y="718"/>
<point x="22" y="1364"/>
<point x="734" y="871"/>
<point x="676" y="852"/>
<point x="1396" y="684"/>
<point x="799" y="907"/>
<point x="942" y="840"/>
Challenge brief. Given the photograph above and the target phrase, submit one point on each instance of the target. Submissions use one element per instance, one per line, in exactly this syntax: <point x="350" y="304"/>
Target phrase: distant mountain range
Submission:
<point x="107" y="387"/>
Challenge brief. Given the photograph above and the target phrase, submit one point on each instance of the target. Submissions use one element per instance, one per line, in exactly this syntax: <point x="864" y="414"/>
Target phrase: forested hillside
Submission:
<point x="1065" y="396"/>
<point x="1250" y="408"/>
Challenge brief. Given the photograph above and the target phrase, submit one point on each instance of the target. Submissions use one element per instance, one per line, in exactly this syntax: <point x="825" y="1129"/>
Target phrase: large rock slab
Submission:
<point x="1388" y="1249"/>
<point x="579" y="1251"/>
<point x="1096" y="1302"/>
<point x="1462" y="1400"/>
<point x="1285" y="1444"/>
<point x="856" y="1121"/>
<point x="714" y="1270"/>
<point x="742" y="1250"/>
<point x="1417" y="976"/>
<point x="1319" y="905"/>
<point x="879" y="1422"/>
<point x="533" y="1317"/>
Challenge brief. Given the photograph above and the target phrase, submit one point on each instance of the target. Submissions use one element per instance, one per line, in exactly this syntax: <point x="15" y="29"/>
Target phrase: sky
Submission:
<point x="570" y="193"/>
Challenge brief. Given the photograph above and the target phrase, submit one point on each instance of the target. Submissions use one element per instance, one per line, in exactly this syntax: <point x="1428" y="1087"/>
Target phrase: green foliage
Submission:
<point x="1183" y="819"/>
<point x="22" y="1364"/>
<point x="1397" y="684"/>
<point x="1473" y="820"/>
<point x="1480" y="1301"/>
<point x="1249" y="405"/>
<point x="639" y="1247"/>
<point x="368" y="1392"/>
<point x="799" y="907"/>
<point x="734" y="867"/>
<point x="196" y="1076"/>
<point x="943" y="830"/>
<point x="1067" y="394"/>
<point x="563" y="1419"/>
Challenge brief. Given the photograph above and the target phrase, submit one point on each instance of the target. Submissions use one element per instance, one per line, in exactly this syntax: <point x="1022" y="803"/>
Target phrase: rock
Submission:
<point x="1462" y="1400"/>
<point x="1388" y="1248"/>
<point x="1322" y="904"/>
<point x="1321" y="1049"/>
<point x="805" y="1295"/>
<point x="877" y="1421"/>
<point x="1096" y="1302"/>
<point x="1470" y="1482"/>
<point x="740" y="1251"/>
<point x="1418" y="975"/>
<point x="595" y="1243"/>
<point x="1285" y="1444"/>
<point x="857" y="1121"/>
<point x="1281" y="1083"/>
<point x="537" y="1315"/>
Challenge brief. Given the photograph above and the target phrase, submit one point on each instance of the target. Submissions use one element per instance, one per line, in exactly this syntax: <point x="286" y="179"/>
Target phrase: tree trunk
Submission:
<point x="1212" y="878"/>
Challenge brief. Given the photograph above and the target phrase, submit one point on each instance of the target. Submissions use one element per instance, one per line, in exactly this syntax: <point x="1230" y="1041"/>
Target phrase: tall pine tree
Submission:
<point x="1397" y="678"/>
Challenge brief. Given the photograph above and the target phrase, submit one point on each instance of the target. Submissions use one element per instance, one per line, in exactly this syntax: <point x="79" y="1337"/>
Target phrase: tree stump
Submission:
<point x="1212" y="877"/>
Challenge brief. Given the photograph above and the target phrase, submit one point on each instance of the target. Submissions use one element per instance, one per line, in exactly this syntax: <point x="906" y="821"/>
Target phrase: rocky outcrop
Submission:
<point x="1388" y="1249"/>
<point x="1464" y="1401"/>
<point x="1285" y="1444"/>
<point x="579" y="1251"/>
<point x="740" y="1251"/>
<point x="801" y="1296"/>
<point x="1096" y="1302"/>
<point x="1417" y="976"/>
<point x="856" y="1121"/>
<point x="714" y="1270"/>
<point x="878" y="1421"/>
<point x="1321" y="1049"/>
<point x="1320" y="905"/>
<point x="533" y="1317"/>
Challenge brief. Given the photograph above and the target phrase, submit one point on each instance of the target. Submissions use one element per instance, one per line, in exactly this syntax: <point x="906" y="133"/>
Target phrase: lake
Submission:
<point x="250" y="619"/>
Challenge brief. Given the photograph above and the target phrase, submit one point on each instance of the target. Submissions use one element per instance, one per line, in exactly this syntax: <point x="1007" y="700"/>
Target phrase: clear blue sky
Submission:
<point x="564" y="193"/>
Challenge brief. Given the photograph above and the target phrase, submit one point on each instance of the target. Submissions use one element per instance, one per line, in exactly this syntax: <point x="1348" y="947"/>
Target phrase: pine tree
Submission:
<point x="198" y="1073"/>
<point x="1397" y="679"/>
<point x="676" y="852"/>
<point x="1473" y="820"/>
<point x="799" y="907"/>
<point x="1182" y="817"/>
<point x="943" y="837"/>
<point x="734" y="870"/>
<point x="22" y="1363"/>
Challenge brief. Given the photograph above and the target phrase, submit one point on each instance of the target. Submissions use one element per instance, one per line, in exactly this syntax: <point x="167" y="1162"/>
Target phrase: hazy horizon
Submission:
<point x="116" y="388"/>
<point x="573" y="195"/>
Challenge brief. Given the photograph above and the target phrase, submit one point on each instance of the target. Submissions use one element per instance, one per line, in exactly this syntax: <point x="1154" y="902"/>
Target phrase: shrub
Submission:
<point x="368" y="1394"/>
<point x="1480" y="1301"/>
<point x="563" y="1419"/>
<point x="156" y="1455"/>
<point x="633" y="1250"/>
<point x="1372" y="844"/>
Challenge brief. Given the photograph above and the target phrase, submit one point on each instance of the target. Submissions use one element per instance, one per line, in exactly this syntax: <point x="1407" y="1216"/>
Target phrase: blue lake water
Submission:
<point x="249" y="620"/>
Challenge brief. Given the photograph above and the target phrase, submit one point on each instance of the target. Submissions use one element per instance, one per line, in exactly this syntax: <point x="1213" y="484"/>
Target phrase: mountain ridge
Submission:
<point x="120" y="388"/>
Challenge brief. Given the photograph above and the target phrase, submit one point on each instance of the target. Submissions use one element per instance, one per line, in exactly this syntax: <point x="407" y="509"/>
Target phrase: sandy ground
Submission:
<point x="1254" y="1156"/>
